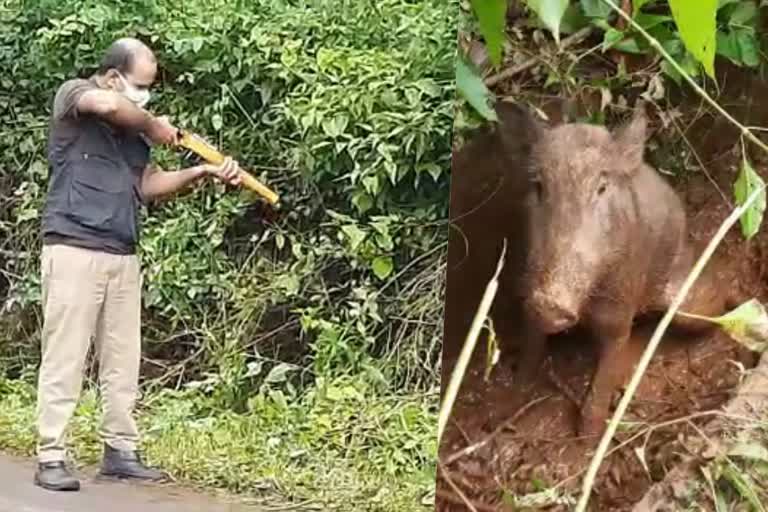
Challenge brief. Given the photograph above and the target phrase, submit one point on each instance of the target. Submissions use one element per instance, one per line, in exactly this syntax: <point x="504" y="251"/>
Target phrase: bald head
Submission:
<point x="124" y="54"/>
<point x="128" y="65"/>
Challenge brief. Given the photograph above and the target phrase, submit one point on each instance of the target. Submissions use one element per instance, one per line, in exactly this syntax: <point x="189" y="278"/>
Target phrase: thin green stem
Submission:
<point x="696" y="317"/>
<point x="469" y="345"/>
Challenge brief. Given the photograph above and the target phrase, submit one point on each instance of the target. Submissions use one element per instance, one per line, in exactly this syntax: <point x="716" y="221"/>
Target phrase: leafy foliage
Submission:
<point x="274" y="450"/>
<point x="691" y="32"/>
<point x="348" y="115"/>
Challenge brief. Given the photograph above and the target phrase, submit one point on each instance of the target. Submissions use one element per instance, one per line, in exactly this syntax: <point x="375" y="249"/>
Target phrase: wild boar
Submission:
<point x="607" y="242"/>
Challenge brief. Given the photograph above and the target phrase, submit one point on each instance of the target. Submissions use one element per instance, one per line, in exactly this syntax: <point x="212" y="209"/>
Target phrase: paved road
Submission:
<point x="19" y="494"/>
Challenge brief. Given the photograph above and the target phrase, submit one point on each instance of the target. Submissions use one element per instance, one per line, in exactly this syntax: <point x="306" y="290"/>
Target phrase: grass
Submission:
<point x="340" y="447"/>
<point x="733" y="481"/>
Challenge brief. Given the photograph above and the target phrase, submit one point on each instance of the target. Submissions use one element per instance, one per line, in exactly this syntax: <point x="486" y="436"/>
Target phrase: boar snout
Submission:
<point x="552" y="311"/>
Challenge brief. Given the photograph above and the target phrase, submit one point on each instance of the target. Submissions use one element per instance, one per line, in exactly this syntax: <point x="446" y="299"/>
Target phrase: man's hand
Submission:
<point x="161" y="131"/>
<point x="228" y="171"/>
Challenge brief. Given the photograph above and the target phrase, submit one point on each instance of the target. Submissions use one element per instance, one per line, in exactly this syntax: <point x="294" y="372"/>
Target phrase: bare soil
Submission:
<point x="535" y="448"/>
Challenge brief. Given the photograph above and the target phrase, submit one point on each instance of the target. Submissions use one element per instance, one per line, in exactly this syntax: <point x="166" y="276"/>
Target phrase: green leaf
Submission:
<point x="611" y="37"/>
<point x="279" y="373"/>
<point x="385" y="242"/>
<point x="696" y="21"/>
<point x="651" y="20"/>
<point x="629" y="45"/>
<point x="723" y="3"/>
<point x="728" y="47"/>
<point x="596" y="8"/>
<point x="743" y="485"/>
<point x="492" y="18"/>
<point x="748" y="47"/>
<point x="743" y="14"/>
<point x="573" y="20"/>
<point x="616" y="39"/>
<point x="355" y="235"/>
<point x="362" y="202"/>
<point x="752" y="451"/>
<point x="744" y="186"/>
<point x="471" y="87"/>
<point x="434" y="170"/>
<point x="637" y="5"/>
<point x="550" y="13"/>
<point x="382" y="266"/>
<point x="747" y="324"/>
<point x="217" y="122"/>
<point x="335" y="126"/>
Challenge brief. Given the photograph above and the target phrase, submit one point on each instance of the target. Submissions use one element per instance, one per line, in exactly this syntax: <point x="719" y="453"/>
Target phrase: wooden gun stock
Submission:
<point x="212" y="155"/>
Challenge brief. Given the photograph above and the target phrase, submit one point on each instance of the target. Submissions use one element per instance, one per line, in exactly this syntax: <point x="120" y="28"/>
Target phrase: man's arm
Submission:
<point x="78" y="97"/>
<point x="116" y="109"/>
<point x="156" y="183"/>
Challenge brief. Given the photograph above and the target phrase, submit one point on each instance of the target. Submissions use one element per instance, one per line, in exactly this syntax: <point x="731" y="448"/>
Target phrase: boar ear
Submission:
<point x="631" y="137"/>
<point x="517" y="128"/>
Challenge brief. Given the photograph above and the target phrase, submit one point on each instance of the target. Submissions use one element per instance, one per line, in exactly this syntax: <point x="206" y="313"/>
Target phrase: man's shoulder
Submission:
<point x="67" y="94"/>
<point x="73" y="84"/>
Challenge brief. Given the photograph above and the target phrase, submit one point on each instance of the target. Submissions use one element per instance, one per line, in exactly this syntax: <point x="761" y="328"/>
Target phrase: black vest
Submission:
<point x="94" y="192"/>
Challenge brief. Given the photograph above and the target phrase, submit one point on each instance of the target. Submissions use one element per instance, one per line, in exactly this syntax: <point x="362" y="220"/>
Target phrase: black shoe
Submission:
<point x="127" y="464"/>
<point x="55" y="476"/>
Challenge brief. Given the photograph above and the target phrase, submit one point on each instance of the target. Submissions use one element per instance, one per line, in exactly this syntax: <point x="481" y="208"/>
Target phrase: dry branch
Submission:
<point x="571" y="40"/>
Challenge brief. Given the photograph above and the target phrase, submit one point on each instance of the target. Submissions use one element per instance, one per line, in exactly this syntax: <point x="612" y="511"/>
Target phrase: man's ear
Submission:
<point x="630" y="138"/>
<point x="518" y="129"/>
<point x="112" y="79"/>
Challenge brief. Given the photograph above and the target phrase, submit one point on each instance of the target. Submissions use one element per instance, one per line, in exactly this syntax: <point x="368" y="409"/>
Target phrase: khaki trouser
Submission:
<point x="88" y="294"/>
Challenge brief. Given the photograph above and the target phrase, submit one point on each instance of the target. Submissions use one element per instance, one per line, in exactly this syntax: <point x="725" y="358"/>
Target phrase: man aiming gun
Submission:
<point x="99" y="156"/>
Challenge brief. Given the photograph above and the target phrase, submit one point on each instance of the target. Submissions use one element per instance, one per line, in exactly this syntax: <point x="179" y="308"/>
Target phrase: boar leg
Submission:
<point x="612" y="327"/>
<point x="533" y="348"/>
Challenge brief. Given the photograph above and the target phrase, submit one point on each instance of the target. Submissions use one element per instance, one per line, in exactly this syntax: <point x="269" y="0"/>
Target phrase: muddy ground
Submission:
<point x="536" y="448"/>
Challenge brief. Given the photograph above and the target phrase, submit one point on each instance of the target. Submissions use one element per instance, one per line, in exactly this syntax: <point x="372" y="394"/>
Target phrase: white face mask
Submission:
<point x="138" y="96"/>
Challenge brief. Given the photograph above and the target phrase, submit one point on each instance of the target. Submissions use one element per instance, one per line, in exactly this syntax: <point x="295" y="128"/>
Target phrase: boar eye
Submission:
<point x="537" y="189"/>
<point x="603" y="184"/>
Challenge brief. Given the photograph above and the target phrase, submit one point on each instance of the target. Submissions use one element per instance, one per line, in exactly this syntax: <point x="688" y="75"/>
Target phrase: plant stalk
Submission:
<point x="697" y="317"/>
<point x="469" y="345"/>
